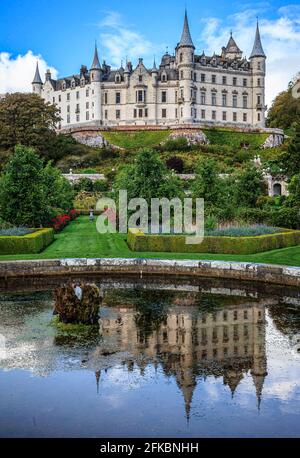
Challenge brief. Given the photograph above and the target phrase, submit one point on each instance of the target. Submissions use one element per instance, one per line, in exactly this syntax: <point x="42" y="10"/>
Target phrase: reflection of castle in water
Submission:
<point x="190" y="343"/>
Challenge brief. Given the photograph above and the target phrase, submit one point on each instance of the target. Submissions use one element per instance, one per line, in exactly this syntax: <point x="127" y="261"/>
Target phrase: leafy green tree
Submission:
<point x="285" y="110"/>
<point x="28" y="120"/>
<point x="59" y="192"/>
<point x="290" y="160"/>
<point x="148" y="178"/>
<point x="208" y="184"/>
<point x="293" y="200"/>
<point x="23" y="198"/>
<point x="249" y="186"/>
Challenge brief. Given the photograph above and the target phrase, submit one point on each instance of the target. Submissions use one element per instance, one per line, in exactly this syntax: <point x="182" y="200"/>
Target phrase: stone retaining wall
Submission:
<point x="281" y="275"/>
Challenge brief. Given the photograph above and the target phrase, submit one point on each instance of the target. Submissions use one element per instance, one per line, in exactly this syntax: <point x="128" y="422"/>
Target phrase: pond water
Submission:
<point x="180" y="359"/>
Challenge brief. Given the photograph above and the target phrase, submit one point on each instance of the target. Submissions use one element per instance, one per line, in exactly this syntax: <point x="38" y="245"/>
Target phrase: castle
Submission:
<point x="186" y="88"/>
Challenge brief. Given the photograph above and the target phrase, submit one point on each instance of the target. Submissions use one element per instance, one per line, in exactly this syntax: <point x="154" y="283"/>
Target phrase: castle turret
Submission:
<point x="185" y="61"/>
<point x="232" y="51"/>
<point x="95" y="78"/>
<point x="258" y="66"/>
<point x="37" y="83"/>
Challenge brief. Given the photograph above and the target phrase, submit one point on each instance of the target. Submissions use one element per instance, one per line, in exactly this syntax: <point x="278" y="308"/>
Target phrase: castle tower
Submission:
<point x="185" y="62"/>
<point x="37" y="83"/>
<point x="232" y="51"/>
<point x="95" y="76"/>
<point x="259" y="368"/>
<point x="258" y="66"/>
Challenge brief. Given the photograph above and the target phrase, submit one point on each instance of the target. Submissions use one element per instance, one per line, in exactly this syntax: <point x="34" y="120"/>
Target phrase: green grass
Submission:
<point x="81" y="240"/>
<point x="136" y="140"/>
<point x="234" y="139"/>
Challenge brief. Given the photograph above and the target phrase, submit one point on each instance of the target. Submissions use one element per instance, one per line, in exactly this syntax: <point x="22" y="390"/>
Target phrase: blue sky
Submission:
<point x="62" y="33"/>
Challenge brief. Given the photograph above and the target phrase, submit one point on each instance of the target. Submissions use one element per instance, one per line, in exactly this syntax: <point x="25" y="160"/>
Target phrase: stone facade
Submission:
<point x="186" y="88"/>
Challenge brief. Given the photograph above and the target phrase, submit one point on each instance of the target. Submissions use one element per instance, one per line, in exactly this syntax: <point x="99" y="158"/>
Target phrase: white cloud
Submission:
<point x="16" y="74"/>
<point x="121" y="41"/>
<point x="280" y="38"/>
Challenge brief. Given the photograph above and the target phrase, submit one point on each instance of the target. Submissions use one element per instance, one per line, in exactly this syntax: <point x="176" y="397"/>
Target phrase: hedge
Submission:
<point x="35" y="242"/>
<point x="140" y="242"/>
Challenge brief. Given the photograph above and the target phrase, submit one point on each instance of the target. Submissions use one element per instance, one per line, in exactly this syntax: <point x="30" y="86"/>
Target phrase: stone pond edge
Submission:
<point x="267" y="273"/>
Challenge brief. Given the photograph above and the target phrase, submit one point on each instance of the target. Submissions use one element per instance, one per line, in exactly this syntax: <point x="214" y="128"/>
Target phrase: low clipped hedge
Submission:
<point x="35" y="242"/>
<point x="140" y="242"/>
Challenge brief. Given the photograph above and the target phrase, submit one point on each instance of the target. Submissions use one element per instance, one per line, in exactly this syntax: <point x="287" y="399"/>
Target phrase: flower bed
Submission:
<point x="59" y="222"/>
<point x="140" y="242"/>
<point x="35" y="242"/>
<point x="19" y="231"/>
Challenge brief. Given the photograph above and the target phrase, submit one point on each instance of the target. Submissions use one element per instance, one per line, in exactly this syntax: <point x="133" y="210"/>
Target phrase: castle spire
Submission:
<point x="186" y="39"/>
<point x="37" y="77"/>
<point x="257" y="50"/>
<point x="96" y="64"/>
<point x="154" y="69"/>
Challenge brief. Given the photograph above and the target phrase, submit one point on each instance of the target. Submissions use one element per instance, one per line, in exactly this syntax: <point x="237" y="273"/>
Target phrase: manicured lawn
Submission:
<point x="135" y="140"/>
<point x="234" y="139"/>
<point x="81" y="240"/>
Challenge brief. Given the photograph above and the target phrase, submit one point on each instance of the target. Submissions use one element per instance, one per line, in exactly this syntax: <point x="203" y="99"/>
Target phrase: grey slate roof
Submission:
<point x="186" y="39"/>
<point x="257" y="50"/>
<point x="37" y="77"/>
<point x="96" y="64"/>
<point x="232" y="47"/>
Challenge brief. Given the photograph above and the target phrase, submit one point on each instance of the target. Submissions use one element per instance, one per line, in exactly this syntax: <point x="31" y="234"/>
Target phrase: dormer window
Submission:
<point x="118" y="79"/>
<point x="73" y="84"/>
<point x="82" y="82"/>
<point x="64" y="86"/>
<point x="140" y="78"/>
<point x="164" y="77"/>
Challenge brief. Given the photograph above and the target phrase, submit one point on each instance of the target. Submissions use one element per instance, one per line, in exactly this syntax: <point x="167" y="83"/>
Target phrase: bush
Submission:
<point x="138" y="241"/>
<point x="178" y="144"/>
<point x="32" y="243"/>
<point x="286" y="217"/>
<point x="175" y="163"/>
<point x="100" y="186"/>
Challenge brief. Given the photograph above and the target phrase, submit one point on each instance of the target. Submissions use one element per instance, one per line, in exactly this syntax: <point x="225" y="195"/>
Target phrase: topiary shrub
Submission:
<point x="73" y="310"/>
<point x="35" y="242"/>
<point x="175" y="163"/>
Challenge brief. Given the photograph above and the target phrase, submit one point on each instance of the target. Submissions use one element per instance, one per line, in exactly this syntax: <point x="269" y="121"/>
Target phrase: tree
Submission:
<point x="285" y="110"/>
<point x="59" y="192"/>
<point x="290" y="160"/>
<point x="208" y="184"/>
<point x="249" y="187"/>
<point x="28" y="120"/>
<point x="23" y="197"/>
<point x="148" y="178"/>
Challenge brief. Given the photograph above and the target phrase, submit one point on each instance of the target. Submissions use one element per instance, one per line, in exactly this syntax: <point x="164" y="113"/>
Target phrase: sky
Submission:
<point x="61" y="34"/>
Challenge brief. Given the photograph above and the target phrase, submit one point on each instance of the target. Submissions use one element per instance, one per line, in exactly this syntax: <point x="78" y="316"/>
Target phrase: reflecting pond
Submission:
<point x="181" y="359"/>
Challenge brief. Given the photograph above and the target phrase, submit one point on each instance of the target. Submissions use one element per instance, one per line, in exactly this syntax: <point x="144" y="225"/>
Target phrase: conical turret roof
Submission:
<point x="257" y="50"/>
<point x="186" y="39"/>
<point x="96" y="64"/>
<point x="37" y="77"/>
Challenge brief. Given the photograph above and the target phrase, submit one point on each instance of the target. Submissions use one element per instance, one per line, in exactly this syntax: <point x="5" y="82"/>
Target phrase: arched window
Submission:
<point x="277" y="189"/>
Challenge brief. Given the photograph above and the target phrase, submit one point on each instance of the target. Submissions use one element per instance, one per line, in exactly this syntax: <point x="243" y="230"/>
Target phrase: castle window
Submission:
<point x="176" y="96"/>
<point x="176" y="112"/>
<point x="68" y="96"/>
<point x="213" y="79"/>
<point x="235" y="315"/>
<point x="234" y="117"/>
<point x="77" y="110"/>
<point x="140" y="78"/>
<point x="134" y="113"/>
<point x="73" y="84"/>
<point x="182" y="93"/>
<point x="258" y="65"/>
<point x="68" y="108"/>
<point x="163" y="113"/>
<point x="181" y="74"/>
<point x="118" y="79"/>
<point x="202" y="77"/>
<point x="77" y="95"/>
<point x="87" y="93"/>
<point x="245" y="117"/>
<point x="225" y="315"/>
<point x="224" y="115"/>
<point x="234" y="81"/>
<point x="234" y="101"/>
<point x="64" y="86"/>
<point x="202" y="114"/>
<point x="245" y="101"/>
<point x="146" y="112"/>
<point x="258" y="117"/>
<point x="164" y="78"/>
<point x="195" y="77"/>
<point x="118" y="98"/>
<point x="224" y="100"/>
<point x="164" y="97"/>
<point x="82" y="82"/>
<point x="214" y="98"/>
<point x="181" y="57"/>
<point x="258" y="100"/>
<point x="224" y="80"/>
<point x="214" y="115"/>
<point x="203" y="98"/>
<point x="59" y="98"/>
<point x="140" y="96"/>
<point x="53" y="99"/>
<point x="87" y="105"/>
<point x="87" y="115"/>
<point x="105" y="114"/>
<point x="118" y="114"/>
<point x="105" y="98"/>
<point x="245" y="82"/>
<point x="78" y="118"/>
<point x="68" y="119"/>
<point x="245" y="314"/>
<point x="258" y="82"/>
<point x="140" y="113"/>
